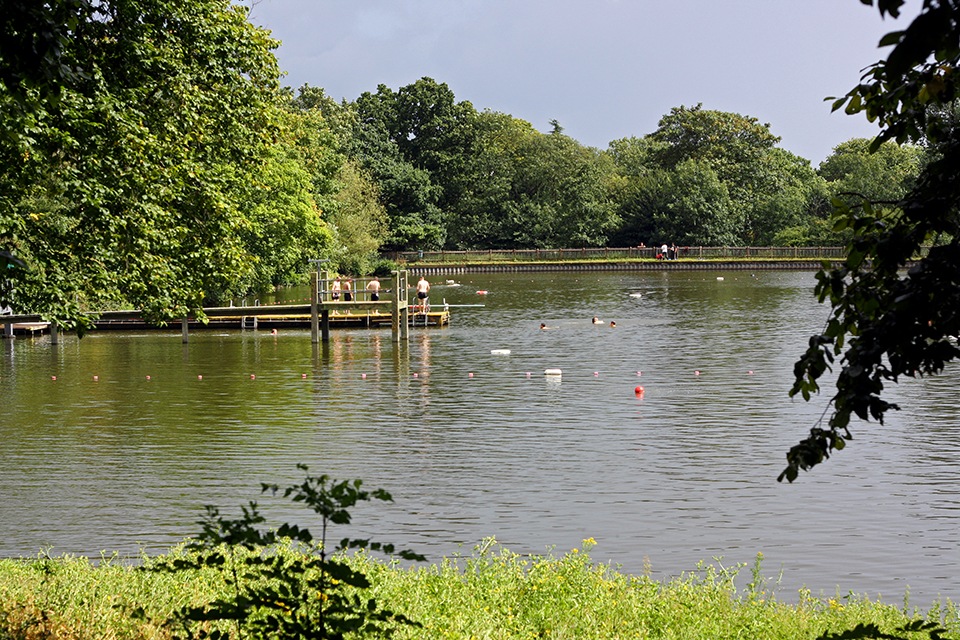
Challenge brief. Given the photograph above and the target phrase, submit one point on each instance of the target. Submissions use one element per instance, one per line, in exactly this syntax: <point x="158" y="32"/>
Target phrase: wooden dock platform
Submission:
<point x="263" y="320"/>
<point x="26" y="328"/>
<point x="358" y="308"/>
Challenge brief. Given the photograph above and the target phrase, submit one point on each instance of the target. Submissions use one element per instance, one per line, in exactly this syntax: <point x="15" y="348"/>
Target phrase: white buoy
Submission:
<point x="552" y="372"/>
<point x="719" y="277"/>
<point x="500" y="352"/>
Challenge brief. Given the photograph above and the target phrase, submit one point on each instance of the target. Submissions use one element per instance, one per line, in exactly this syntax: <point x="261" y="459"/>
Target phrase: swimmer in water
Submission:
<point x="612" y="324"/>
<point x="597" y="320"/>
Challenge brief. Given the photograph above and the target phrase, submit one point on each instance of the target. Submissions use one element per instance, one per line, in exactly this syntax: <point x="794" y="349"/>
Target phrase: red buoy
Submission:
<point x="639" y="391"/>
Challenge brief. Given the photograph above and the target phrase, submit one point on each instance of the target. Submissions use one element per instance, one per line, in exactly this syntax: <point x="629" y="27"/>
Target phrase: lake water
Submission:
<point x="685" y="472"/>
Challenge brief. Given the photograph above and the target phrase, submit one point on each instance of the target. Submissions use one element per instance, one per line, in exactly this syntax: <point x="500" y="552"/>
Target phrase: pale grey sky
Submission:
<point x="606" y="69"/>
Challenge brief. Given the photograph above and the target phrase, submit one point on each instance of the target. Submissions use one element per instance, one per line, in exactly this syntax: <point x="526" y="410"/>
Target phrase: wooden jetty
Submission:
<point x="24" y="328"/>
<point x="324" y="311"/>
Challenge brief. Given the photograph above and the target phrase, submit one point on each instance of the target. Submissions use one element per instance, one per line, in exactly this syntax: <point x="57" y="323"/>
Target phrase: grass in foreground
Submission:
<point x="491" y="594"/>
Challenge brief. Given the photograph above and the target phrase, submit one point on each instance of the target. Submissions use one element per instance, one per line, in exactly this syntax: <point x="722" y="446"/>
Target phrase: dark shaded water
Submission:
<point x="684" y="473"/>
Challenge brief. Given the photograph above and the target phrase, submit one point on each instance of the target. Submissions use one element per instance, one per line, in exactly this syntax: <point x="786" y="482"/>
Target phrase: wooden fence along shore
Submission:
<point x="613" y="253"/>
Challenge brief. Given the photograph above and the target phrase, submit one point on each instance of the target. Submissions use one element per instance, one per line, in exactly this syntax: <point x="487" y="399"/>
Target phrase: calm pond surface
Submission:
<point x="687" y="472"/>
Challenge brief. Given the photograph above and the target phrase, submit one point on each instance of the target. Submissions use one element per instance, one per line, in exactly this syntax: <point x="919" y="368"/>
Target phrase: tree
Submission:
<point x="407" y="191"/>
<point x="528" y="189"/>
<point x="358" y="219"/>
<point x="854" y="172"/>
<point x="748" y="189"/>
<point x="124" y="152"/>
<point x="282" y="227"/>
<point x="887" y="324"/>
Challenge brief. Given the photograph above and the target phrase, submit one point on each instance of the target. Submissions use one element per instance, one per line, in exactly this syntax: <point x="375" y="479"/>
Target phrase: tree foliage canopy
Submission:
<point x="123" y="154"/>
<point x="887" y="324"/>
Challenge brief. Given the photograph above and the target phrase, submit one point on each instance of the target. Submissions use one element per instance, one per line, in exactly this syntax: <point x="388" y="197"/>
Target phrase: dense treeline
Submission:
<point x="149" y="157"/>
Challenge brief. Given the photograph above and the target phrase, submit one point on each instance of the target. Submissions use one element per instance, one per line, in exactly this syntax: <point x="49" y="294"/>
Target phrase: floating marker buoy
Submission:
<point x="500" y="352"/>
<point x="53" y="377"/>
<point x="469" y="375"/>
<point x="719" y="277"/>
<point x="363" y="376"/>
<point x="638" y="391"/>
<point x="528" y="374"/>
<point x="416" y="375"/>
<point x="696" y="373"/>
<point x="639" y="373"/>
<point x="750" y="373"/>
<point x="253" y="376"/>
<point x="148" y="377"/>
<point x="481" y="293"/>
<point x="596" y="373"/>
<point x="199" y="377"/>
<point x="552" y="372"/>
<point x="303" y="375"/>
<point x="95" y="378"/>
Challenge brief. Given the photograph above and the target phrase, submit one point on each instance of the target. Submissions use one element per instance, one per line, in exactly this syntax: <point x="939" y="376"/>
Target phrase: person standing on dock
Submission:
<point x="335" y="289"/>
<point x="423" y="288"/>
<point x="347" y="294"/>
<point x="374" y="288"/>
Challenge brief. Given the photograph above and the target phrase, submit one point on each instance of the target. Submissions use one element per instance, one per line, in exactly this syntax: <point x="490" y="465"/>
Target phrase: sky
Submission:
<point x="605" y="69"/>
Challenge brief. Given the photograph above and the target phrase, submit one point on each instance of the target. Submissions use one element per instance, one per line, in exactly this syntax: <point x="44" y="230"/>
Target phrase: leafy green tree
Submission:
<point x="536" y="190"/>
<point x="853" y="172"/>
<point x="282" y="227"/>
<point x="887" y="323"/>
<point x="751" y="189"/>
<point x="697" y="209"/>
<point x="407" y="192"/>
<point x="358" y="219"/>
<point x="164" y="111"/>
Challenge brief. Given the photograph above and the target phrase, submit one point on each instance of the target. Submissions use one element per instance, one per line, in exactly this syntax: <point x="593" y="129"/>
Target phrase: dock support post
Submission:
<point x="325" y="325"/>
<point x="314" y="290"/>
<point x="8" y="330"/>
<point x="54" y="332"/>
<point x="404" y="310"/>
<point x="185" y="329"/>
<point x="396" y="326"/>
